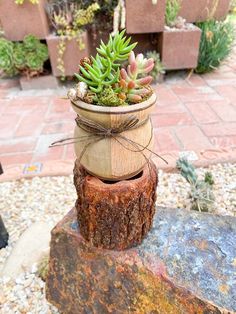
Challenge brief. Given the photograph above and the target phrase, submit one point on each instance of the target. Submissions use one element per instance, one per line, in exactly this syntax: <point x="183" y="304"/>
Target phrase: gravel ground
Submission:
<point x="48" y="199"/>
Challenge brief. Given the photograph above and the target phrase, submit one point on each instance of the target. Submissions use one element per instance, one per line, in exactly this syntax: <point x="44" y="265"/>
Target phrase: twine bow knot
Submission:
<point x="98" y="132"/>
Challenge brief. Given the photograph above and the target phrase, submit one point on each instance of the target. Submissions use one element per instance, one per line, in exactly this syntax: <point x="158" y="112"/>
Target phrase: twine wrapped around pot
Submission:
<point x="97" y="132"/>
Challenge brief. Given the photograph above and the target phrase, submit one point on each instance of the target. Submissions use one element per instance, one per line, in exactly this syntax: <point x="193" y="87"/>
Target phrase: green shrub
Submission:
<point x="216" y="44"/>
<point x="27" y="57"/>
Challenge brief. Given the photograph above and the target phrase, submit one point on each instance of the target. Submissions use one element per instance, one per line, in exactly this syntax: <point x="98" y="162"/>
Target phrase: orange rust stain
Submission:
<point x="224" y="289"/>
<point x="157" y="295"/>
<point x="202" y="245"/>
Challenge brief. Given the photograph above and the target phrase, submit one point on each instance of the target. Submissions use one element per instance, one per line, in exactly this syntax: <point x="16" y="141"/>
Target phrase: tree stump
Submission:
<point x="3" y="235"/>
<point x="115" y="215"/>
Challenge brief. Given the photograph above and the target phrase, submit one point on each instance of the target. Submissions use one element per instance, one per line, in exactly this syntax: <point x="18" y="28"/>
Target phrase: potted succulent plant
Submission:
<point x="26" y="58"/>
<point x="23" y="17"/>
<point x="179" y="42"/>
<point x="70" y="40"/>
<point x="114" y="136"/>
<point x="201" y="10"/>
<point x="145" y="16"/>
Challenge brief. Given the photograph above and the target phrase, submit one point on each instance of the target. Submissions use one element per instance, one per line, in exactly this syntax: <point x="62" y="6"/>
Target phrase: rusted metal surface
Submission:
<point x="186" y="264"/>
<point x="115" y="215"/>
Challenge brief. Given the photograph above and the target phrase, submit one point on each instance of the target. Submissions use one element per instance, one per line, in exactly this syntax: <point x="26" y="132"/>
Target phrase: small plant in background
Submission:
<point x="22" y="1"/>
<point x="172" y="11"/>
<point x="103" y="20"/>
<point x="26" y="58"/>
<point x="69" y="20"/>
<point x="43" y="267"/>
<point x="201" y="195"/>
<point x="216" y="44"/>
<point x="233" y="6"/>
<point x="158" y="69"/>
<point x="103" y="81"/>
<point x="7" y="66"/>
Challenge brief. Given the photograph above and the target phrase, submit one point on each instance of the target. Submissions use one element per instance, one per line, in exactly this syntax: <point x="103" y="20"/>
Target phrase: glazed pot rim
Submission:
<point x="79" y="104"/>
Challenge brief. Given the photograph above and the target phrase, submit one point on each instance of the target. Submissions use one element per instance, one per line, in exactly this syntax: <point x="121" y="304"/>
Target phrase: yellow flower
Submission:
<point x="209" y="35"/>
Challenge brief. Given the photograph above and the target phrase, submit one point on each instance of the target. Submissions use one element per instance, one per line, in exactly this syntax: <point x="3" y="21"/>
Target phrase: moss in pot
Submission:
<point x="113" y="104"/>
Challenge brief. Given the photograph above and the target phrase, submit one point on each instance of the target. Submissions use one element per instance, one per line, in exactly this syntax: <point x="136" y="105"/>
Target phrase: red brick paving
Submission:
<point x="196" y="113"/>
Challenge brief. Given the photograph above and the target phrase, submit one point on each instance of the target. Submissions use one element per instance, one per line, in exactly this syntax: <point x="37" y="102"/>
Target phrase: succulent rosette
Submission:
<point x="27" y="57"/>
<point x="6" y="59"/>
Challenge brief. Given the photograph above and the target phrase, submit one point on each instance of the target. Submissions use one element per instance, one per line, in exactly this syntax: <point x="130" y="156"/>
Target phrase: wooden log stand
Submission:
<point x="115" y="215"/>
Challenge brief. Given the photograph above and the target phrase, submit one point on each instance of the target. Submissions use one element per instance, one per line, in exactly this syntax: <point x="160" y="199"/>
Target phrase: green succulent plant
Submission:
<point x="104" y="69"/>
<point x="30" y="42"/>
<point x="158" y="68"/>
<point x="187" y="170"/>
<point x="104" y="18"/>
<point x="86" y="16"/>
<point x="172" y="11"/>
<point x="19" y="56"/>
<point x="35" y="53"/>
<point x="27" y="57"/>
<point x="209" y="178"/>
<point x="201" y="194"/>
<point x="7" y="65"/>
<point x="134" y="82"/>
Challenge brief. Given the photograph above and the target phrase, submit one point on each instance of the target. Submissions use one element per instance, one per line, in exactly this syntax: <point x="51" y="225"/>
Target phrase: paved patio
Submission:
<point x="195" y="115"/>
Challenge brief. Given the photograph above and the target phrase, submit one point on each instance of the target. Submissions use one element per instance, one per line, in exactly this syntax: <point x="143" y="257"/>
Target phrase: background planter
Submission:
<point x="179" y="49"/>
<point x="20" y="20"/>
<point x="108" y="159"/>
<point x="144" y="17"/>
<point x="198" y="11"/>
<point x="72" y="54"/>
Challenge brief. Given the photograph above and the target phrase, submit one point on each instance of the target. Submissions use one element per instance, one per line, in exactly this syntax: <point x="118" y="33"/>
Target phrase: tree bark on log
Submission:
<point x="115" y="215"/>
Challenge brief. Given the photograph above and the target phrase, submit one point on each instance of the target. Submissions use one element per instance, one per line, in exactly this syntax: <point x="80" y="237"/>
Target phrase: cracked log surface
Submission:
<point x="186" y="265"/>
<point x="115" y="215"/>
